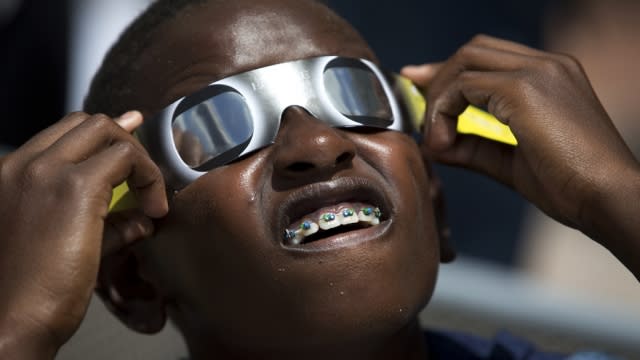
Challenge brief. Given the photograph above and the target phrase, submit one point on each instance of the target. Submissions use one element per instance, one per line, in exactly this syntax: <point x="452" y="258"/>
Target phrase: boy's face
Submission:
<point x="219" y="258"/>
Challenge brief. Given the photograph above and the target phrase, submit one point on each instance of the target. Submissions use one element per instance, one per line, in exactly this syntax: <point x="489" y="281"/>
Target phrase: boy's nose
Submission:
<point x="307" y="148"/>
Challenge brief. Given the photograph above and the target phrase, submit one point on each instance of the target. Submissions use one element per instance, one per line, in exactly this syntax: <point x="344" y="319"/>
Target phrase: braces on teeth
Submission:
<point x="332" y="220"/>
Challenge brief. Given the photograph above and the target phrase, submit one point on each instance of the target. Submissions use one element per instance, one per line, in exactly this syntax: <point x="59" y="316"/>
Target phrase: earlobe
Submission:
<point x="134" y="300"/>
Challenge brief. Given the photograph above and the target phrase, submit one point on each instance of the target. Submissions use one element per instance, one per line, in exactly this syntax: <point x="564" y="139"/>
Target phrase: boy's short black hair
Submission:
<point x="109" y="87"/>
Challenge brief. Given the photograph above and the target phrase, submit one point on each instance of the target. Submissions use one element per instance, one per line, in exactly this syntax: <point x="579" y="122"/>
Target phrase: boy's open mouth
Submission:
<point x="322" y="211"/>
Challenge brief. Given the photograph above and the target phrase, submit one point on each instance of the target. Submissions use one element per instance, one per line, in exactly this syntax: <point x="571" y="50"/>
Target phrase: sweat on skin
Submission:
<point x="210" y="256"/>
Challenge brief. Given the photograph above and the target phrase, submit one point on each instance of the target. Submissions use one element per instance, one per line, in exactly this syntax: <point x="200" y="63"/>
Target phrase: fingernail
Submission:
<point x="409" y="68"/>
<point x="130" y="120"/>
<point x="415" y="70"/>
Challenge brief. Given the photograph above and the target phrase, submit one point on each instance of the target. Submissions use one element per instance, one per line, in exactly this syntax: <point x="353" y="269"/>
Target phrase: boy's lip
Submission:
<point x="341" y="190"/>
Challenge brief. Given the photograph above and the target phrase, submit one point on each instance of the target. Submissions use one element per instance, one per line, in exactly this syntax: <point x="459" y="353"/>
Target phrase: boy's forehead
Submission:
<point x="211" y="41"/>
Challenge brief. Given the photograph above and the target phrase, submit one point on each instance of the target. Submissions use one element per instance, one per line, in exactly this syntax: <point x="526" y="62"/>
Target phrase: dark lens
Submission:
<point x="212" y="128"/>
<point x="357" y="93"/>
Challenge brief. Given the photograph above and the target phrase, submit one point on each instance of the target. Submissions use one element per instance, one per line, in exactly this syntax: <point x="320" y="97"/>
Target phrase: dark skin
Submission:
<point x="312" y="291"/>
<point x="215" y="262"/>
<point x="571" y="162"/>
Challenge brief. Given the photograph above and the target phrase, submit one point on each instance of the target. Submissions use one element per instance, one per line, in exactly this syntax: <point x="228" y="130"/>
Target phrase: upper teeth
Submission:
<point x="330" y="220"/>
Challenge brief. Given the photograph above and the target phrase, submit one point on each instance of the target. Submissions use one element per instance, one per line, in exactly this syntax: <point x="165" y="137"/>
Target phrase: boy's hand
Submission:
<point x="54" y="196"/>
<point x="568" y="147"/>
<point x="570" y="161"/>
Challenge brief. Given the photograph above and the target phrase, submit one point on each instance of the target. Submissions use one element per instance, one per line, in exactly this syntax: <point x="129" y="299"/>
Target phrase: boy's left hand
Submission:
<point x="570" y="160"/>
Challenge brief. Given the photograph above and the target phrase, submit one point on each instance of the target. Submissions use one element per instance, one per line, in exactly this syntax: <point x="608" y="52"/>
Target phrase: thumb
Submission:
<point x="130" y="120"/>
<point x="421" y="75"/>
<point x="488" y="157"/>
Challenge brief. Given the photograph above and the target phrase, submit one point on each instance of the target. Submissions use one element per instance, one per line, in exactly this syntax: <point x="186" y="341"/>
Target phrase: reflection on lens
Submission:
<point x="211" y="128"/>
<point x="358" y="94"/>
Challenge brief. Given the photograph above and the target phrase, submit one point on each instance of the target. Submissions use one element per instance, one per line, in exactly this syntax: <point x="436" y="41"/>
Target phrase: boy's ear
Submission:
<point x="135" y="301"/>
<point x="447" y="252"/>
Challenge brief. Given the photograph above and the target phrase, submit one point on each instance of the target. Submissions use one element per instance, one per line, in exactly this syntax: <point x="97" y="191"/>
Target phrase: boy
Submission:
<point x="322" y="242"/>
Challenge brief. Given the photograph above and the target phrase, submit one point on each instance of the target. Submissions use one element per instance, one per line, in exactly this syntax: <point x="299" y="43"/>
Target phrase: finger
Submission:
<point x="517" y="48"/>
<point x="498" y="92"/>
<point x="505" y="52"/>
<point x="48" y="136"/>
<point x="123" y="229"/>
<point x="442" y="131"/>
<point x="445" y="105"/>
<point x="447" y="102"/>
<point x="475" y="153"/>
<point x="482" y="53"/>
<point x="91" y="136"/>
<point x="473" y="57"/>
<point x="506" y="45"/>
<point x="421" y="75"/>
<point x="124" y="161"/>
<point x="477" y="55"/>
<point x="484" y="58"/>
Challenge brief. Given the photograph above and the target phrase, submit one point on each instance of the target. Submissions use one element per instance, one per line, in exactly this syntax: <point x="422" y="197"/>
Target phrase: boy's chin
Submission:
<point x="356" y="314"/>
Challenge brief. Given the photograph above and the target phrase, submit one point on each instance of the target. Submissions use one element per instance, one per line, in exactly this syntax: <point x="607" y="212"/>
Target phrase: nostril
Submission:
<point x="344" y="157"/>
<point x="300" y="166"/>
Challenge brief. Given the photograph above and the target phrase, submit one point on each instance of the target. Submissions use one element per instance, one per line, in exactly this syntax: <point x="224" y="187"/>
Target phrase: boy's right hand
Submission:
<point x="55" y="192"/>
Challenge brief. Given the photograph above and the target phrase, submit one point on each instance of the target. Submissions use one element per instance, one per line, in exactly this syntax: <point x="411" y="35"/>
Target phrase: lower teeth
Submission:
<point x="334" y="231"/>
